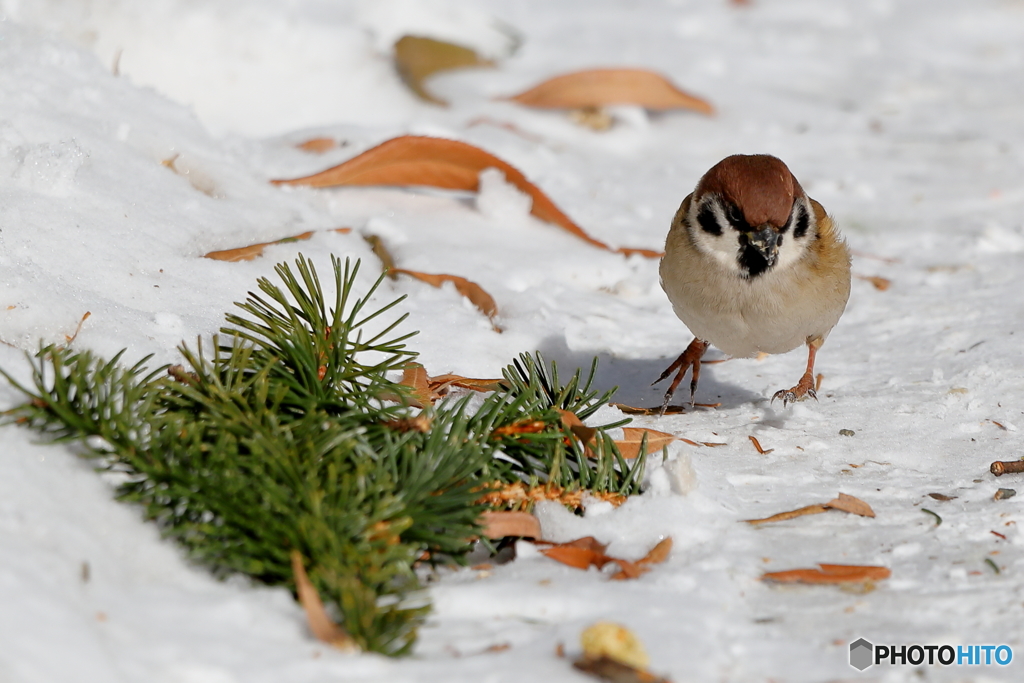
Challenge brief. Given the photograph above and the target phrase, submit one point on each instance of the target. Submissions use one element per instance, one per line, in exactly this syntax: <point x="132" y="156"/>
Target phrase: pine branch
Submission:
<point x="281" y="439"/>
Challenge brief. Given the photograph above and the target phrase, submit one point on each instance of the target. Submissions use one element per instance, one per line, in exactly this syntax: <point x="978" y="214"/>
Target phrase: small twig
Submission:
<point x="757" y="445"/>
<point x="77" y="329"/>
<point x="938" y="520"/>
<point x="1001" y="467"/>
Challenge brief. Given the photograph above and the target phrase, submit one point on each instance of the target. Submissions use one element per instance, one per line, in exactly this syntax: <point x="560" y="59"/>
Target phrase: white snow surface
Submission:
<point x="904" y="118"/>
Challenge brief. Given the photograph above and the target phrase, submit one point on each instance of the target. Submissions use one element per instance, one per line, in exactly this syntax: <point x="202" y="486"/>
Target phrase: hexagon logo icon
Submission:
<point x="861" y="652"/>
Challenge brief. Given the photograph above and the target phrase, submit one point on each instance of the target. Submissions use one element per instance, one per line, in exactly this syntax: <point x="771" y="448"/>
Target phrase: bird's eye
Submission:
<point x="735" y="217"/>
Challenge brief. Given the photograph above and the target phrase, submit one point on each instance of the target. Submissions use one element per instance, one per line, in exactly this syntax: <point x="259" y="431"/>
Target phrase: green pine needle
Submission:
<point x="288" y="437"/>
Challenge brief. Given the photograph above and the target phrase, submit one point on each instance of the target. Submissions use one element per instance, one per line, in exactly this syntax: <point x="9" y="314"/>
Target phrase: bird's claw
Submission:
<point x="793" y="395"/>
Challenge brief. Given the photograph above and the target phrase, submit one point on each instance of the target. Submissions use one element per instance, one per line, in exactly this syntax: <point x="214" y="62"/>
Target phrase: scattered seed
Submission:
<point x="757" y="445"/>
<point x="995" y="567"/>
<point x="1003" y="494"/>
<point x="941" y="496"/>
<point x="846" y="432"/>
<point x="996" y="533"/>
<point x="938" y="520"/>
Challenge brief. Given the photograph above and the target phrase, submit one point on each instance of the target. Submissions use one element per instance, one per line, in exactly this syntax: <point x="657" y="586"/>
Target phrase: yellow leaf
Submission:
<point x="417" y="57"/>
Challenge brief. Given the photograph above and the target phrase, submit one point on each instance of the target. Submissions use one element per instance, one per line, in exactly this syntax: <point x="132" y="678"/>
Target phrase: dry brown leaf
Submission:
<point x="602" y="87"/>
<point x="448" y="164"/>
<point x="587" y="551"/>
<point x="417" y="57"/>
<point x="580" y="558"/>
<point x="467" y="288"/>
<point x="498" y="524"/>
<point x="317" y="145"/>
<point x="634" y="410"/>
<point x="415" y="377"/>
<point x="253" y="250"/>
<point x="659" y="553"/>
<point x="387" y="262"/>
<point x="321" y="625"/>
<point x="852" y="505"/>
<point x="830" y="573"/>
<point x="612" y="670"/>
<point x="782" y="516"/>
<point x="757" y="445"/>
<point x="629" y="446"/>
<point x="582" y="432"/>
<point x="442" y="382"/>
<point x="880" y="283"/>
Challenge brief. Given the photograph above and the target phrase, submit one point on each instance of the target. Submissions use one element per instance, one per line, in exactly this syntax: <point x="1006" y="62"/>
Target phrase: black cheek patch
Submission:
<point x="707" y="221"/>
<point x="802" y="223"/>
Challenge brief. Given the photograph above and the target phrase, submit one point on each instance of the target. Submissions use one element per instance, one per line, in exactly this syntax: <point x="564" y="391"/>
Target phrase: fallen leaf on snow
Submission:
<point x="498" y="524"/>
<point x="417" y="58"/>
<point x="843" y="502"/>
<point x="476" y="294"/>
<point x="587" y="551"/>
<point x="576" y="426"/>
<point x="448" y="164"/>
<point x="321" y="625"/>
<point x="830" y="573"/>
<point x="253" y="250"/>
<point x="608" y="669"/>
<point x="851" y="504"/>
<point x="757" y="445"/>
<point x="879" y="283"/>
<point x="317" y="145"/>
<point x="629" y="446"/>
<point x="602" y="87"/>
<point x="791" y="514"/>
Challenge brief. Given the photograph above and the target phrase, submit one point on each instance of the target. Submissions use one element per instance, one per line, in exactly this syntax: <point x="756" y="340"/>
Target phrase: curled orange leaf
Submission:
<point x="602" y="87"/>
<point x="448" y="164"/>
<point x="467" y="288"/>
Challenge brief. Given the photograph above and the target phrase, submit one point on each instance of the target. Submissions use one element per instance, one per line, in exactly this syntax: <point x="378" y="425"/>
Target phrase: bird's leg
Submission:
<point x="805" y="387"/>
<point x="688" y="358"/>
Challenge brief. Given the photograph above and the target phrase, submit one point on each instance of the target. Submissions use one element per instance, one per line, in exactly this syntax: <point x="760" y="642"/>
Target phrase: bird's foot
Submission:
<point x="803" y="389"/>
<point x="687" y="359"/>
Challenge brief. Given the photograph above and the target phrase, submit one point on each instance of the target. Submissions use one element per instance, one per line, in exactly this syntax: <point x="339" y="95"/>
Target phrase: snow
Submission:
<point x="905" y="119"/>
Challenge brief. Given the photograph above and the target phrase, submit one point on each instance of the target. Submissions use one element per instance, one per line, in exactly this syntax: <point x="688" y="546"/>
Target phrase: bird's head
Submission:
<point x="751" y="215"/>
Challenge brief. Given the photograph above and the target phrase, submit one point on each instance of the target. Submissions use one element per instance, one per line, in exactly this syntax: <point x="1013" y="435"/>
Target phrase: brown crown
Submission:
<point x="760" y="185"/>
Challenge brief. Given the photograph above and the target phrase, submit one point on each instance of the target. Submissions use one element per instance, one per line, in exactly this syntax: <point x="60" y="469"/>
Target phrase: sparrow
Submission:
<point x="753" y="265"/>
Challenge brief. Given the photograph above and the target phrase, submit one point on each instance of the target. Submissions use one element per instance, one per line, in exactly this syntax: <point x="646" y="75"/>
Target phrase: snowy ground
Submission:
<point x="905" y="119"/>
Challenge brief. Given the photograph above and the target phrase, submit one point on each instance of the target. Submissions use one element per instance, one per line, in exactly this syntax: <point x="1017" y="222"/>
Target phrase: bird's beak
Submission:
<point x="766" y="241"/>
